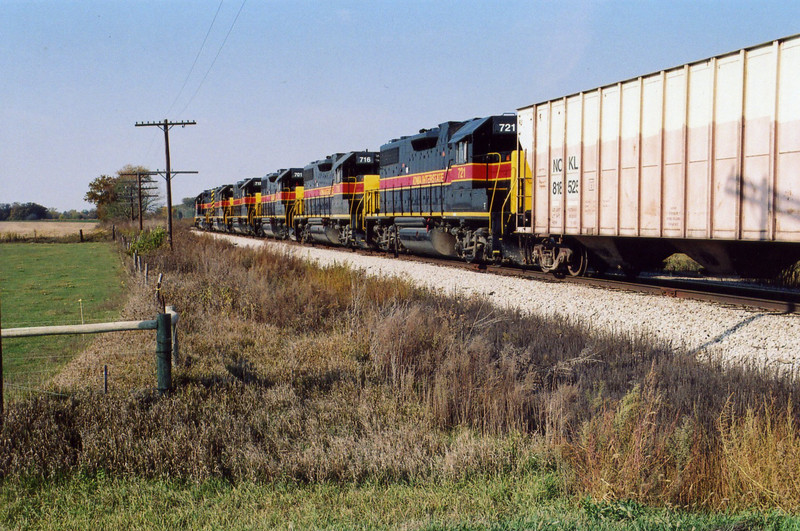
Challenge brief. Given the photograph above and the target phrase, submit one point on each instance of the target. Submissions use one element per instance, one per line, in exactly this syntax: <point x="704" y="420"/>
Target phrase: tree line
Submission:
<point x="35" y="211"/>
<point x="116" y="197"/>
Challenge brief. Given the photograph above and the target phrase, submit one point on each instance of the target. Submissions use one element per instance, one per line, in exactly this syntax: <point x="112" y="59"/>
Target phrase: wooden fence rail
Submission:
<point x="96" y="328"/>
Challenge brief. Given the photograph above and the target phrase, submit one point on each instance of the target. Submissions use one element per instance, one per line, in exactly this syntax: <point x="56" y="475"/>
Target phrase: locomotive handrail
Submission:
<point x="514" y="186"/>
<point x="361" y="206"/>
<point x="494" y="189"/>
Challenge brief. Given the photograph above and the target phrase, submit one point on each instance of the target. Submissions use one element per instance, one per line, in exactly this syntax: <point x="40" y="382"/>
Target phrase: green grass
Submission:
<point x="45" y="284"/>
<point x="527" y="502"/>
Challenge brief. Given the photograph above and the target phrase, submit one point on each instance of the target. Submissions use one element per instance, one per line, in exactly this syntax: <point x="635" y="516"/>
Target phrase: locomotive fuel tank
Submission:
<point x="322" y="232"/>
<point x="418" y="237"/>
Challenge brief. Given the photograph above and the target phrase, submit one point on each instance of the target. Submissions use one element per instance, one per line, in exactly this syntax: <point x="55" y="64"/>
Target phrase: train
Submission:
<point x="701" y="159"/>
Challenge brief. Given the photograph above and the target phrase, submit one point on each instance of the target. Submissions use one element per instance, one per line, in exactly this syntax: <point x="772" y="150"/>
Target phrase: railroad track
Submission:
<point x="721" y="293"/>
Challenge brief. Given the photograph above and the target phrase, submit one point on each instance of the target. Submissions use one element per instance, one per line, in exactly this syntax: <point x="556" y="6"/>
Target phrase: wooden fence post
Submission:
<point x="164" y="352"/>
<point x="175" y="348"/>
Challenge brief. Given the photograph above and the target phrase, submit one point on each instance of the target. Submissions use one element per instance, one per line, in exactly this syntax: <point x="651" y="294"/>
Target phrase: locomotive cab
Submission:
<point x="246" y="196"/>
<point x="445" y="189"/>
<point x="278" y="200"/>
<point x="202" y="210"/>
<point x="222" y="200"/>
<point x="485" y="140"/>
<point x="333" y="191"/>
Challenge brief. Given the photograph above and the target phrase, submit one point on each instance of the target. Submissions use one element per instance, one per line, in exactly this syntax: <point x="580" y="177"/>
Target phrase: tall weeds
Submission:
<point x="291" y="371"/>
<point x="760" y="454"/>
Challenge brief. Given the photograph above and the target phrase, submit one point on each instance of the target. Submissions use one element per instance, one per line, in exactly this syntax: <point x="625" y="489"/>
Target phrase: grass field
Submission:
<point x="526" y="502"/>
<point x="310" y="397"/>
<point x="46" y="284"/>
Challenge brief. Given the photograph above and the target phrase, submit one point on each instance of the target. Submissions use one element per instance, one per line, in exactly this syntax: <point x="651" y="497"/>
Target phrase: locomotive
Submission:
<point x="450" y="191"/>
<point x="702" y="159"/>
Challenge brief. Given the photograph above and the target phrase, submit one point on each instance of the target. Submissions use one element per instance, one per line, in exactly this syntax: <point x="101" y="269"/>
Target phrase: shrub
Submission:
<point x="148" y="241"/>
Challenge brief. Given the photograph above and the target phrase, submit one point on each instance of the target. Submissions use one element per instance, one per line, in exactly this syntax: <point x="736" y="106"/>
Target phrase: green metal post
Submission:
<point x="164" y="352"/>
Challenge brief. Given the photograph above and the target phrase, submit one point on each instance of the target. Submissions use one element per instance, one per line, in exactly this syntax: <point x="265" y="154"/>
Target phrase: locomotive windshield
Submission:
<point x="491" y="139"/>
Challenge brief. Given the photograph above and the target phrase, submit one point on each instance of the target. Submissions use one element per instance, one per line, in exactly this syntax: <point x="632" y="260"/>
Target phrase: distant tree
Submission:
<point x="5" y="211"/>
<point x="102" y="192"/>
<point x="185" y="209"/>
<point x="128" y="192"/>
<point x="118" y="197"/>
<point x="27" y="212"/>
<point x="73" y="214"/>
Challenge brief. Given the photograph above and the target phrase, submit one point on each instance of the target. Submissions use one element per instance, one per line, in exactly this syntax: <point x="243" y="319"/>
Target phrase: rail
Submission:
<point x="763" y="299"/>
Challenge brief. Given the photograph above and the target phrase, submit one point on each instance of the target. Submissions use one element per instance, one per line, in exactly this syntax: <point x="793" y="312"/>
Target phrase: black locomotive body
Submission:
<point x="445" y="190"/>
<point x="455" y="190"/>
<point x="244" y="206"/>
<point x="222" y="209"/>
<point x="332" y="198"/>
<point x="203" y="205"/>
<point x="278" y="203"/>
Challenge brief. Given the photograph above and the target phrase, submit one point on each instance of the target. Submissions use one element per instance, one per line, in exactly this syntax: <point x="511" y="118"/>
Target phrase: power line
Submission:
<point x="215" y="58"/>
<point x="185" y="81"/>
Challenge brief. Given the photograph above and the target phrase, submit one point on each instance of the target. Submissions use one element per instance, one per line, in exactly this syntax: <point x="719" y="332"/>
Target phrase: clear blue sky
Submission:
<point x="299" y="80"/>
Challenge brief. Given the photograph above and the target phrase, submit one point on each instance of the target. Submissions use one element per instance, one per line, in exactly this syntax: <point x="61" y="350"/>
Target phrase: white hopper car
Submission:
<point x="703" y="159"/>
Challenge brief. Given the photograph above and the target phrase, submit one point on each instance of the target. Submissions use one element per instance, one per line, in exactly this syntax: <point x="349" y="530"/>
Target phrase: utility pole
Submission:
<point x="139" y="189"/>
<point x="165" y="126"/>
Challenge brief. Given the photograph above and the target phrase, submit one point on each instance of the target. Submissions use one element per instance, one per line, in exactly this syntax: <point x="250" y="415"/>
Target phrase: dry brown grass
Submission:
<point x="760" y="455"/>
<point x="47" y="228"/>
<point x="628" y="450"/>
<point x="293" y="372"/>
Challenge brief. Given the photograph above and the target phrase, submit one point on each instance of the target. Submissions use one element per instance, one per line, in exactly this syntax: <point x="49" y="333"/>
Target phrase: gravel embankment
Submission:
<point x="751" y="336"/>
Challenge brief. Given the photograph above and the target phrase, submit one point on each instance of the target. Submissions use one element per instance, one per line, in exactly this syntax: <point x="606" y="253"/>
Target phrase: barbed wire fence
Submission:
<point x="24" y="376"/>
<point x="32" y="372"/>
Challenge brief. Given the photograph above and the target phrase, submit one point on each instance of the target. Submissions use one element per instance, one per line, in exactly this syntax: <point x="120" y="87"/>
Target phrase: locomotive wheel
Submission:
<point x="476" y="256"/>
<point x="470" y="248"/>
<point x="579" y="263"/>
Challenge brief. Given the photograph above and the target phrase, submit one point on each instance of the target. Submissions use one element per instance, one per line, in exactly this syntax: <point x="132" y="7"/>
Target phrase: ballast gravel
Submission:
<point x="761" y="338"/>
